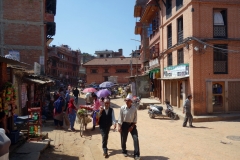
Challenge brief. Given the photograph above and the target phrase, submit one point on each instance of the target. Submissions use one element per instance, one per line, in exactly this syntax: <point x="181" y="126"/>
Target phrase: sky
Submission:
<point x="95" y="25"/>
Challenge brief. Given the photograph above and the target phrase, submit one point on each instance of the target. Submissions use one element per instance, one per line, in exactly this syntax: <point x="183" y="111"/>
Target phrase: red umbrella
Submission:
<point x="86" y="90"/>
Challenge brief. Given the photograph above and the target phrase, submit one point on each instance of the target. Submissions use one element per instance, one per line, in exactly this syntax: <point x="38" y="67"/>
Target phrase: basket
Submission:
<point x="79" y="118"/>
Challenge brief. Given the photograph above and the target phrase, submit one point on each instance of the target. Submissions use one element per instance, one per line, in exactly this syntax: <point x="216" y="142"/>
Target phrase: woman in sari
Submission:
<point x="71" y="110"/>
<point x="58" y="112"/>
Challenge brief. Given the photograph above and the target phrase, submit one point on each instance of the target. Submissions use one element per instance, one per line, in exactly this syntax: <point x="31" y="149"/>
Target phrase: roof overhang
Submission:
<point x="38" y="80"/>
<point x="13" y="62"/>
<point x="138" y="28"/>
<point x="149" y="12"/>
<point x="174" y="78"/>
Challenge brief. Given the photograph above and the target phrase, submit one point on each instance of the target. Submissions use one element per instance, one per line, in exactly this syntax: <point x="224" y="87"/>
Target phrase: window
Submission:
<point x="179" y="4"/>
<point x="168" y="8"/>
<point x="105" y="70"/>
<point x="101" y="56"/>
<point x="93" y="70"/>
<point x="169" y="36"/>
<point x="169" y="59"/>
<point x="180" y="57"/>
<point x="155" y="22"/>
<point x="180" y="30"/>
<point x="149" y="30"/>
<point x="121" y="70"/>
<point x="219" y="23"/>
<point x="220" y="59"/>
<point x="105" y="78"/>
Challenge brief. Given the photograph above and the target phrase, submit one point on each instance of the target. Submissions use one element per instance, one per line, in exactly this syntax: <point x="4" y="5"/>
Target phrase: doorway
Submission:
<point x="218" y="96"/>
<point x="180" y="94"/>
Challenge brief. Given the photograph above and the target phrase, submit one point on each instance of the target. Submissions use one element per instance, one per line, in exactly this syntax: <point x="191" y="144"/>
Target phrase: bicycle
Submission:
<point x="83" y="120"/>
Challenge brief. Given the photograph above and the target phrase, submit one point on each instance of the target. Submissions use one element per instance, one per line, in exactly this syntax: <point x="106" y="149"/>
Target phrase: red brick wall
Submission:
<point x="20" y="34"/>
<point x="28" y="10"/>
<point x="98" y="77"/>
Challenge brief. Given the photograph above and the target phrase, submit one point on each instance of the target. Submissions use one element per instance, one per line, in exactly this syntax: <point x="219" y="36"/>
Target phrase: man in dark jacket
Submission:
<point x="106" y="120"/>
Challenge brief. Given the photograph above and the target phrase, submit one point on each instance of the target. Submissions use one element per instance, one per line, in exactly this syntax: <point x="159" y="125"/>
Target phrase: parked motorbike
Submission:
<point x="156" y="111"/>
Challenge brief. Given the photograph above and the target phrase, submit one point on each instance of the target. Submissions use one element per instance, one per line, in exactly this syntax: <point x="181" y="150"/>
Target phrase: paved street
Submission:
<point x="160" y="139"/>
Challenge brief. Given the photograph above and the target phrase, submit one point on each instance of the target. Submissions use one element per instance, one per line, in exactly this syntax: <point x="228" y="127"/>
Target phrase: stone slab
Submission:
<point x="33" y="146"/>
<point x="27" y="156"/>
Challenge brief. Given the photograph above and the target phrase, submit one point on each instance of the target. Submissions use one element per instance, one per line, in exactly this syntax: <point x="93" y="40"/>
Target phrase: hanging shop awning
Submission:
<point x="154" y="73"/>
<point x="174" y="78"/>
<point x="38" y="80"/>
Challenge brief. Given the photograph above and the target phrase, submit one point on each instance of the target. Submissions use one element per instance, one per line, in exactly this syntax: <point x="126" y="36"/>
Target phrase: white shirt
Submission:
<point x="128" y="114"/>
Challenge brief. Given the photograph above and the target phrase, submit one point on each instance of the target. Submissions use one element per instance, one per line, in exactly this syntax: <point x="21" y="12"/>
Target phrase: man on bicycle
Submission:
<point x="76" y="93"/>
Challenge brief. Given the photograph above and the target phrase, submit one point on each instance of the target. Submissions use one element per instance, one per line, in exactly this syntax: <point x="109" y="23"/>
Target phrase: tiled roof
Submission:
<point x="112" y="61"/>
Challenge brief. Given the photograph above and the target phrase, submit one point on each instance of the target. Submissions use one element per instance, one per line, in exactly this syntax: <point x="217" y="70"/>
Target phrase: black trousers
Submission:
<point x="124" y="135"/>
<point x="104" y="132"/>
<point x="188" y="118"/>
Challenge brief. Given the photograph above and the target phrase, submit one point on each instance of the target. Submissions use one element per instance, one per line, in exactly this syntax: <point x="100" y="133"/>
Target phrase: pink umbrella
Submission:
<point x="86" y="90"/>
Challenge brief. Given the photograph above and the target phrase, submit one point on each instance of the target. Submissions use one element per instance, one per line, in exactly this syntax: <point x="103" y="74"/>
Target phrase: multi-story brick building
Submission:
<point x="99" y="69"/>
<point x="63" y="64"/>
<point x="26" y="27"/>
<point x="199" y="53"/>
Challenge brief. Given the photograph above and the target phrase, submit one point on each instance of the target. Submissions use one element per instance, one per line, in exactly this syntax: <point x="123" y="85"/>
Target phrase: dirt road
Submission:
<point x="160" y="139"/>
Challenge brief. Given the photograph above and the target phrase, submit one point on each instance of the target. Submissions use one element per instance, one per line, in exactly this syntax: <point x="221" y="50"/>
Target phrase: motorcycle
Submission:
<point x="156" y="111"/>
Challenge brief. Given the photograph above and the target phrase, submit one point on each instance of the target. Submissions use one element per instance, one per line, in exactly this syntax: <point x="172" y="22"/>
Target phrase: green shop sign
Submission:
<point x="177" y="71"/>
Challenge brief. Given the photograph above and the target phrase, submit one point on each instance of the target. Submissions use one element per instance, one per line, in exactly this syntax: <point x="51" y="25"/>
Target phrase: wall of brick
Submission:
<point x="99" y="76"/>
<point x="199" y="23"/>
<point x="26" y="10"/>
<point x="22" y="34"/>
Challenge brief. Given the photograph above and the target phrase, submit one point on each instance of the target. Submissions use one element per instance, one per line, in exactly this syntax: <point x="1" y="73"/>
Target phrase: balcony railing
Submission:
<point x="180" y="36"/>
<point x="219" y="31"/>
<point x="169" y="42"/>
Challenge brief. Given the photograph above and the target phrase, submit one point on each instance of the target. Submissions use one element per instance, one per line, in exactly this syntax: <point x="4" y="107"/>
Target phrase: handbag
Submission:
<point x="66" y="120"/>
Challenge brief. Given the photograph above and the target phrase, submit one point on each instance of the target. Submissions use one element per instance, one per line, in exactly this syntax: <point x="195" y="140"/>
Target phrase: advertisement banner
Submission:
<point x="177" y="71"/>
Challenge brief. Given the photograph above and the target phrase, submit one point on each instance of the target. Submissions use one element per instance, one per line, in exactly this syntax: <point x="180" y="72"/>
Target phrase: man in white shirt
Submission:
<point x="127" y="123"/>
<point x="106" y="120"/>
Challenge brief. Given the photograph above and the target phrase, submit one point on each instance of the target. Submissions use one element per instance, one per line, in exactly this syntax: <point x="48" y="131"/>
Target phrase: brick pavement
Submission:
<point x="160" y="139"/>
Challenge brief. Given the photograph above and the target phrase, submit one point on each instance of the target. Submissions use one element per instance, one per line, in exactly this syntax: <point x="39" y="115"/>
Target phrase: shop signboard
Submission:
<point x="154" y="63"/>
<point x="37" y="68"/>
<point x="177" y="71"/>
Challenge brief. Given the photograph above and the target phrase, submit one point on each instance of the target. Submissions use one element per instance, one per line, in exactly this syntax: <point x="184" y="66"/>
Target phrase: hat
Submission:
<point x="129" y="97"/>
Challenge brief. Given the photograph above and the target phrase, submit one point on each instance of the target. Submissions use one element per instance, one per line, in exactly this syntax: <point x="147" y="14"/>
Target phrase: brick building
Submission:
<point x="198" y="53"/>
<point x="26" y="27"/>
<point x="63" y="64"/>
<point x="99" y="69"/>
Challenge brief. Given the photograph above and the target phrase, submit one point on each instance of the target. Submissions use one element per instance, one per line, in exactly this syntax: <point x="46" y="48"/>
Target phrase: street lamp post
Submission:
<point x="136" y="66"/>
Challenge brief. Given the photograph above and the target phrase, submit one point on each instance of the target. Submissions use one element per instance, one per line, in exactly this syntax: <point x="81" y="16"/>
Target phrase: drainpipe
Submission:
<point x="1" y="28"/>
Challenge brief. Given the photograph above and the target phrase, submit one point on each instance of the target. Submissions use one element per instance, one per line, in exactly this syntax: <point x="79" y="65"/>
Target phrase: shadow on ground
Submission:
<point x="49" y="154"/>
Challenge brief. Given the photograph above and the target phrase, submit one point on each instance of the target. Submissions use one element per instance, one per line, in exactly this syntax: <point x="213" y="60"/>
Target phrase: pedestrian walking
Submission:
<point x="127" y="123"/>
<point x="106" y="120"/>
<point x="187" y="110"/>
<point x="67" y="99"/>
<point x="76" y="93"/>
<point x="96" y="106"/>
<point x="71" y="110"/>
<point x="58" y="112"/>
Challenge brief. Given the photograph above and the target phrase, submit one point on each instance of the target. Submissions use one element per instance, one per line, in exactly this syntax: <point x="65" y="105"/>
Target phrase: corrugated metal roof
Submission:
<point x="113" y="61"/>
<point x="13" y="62"/>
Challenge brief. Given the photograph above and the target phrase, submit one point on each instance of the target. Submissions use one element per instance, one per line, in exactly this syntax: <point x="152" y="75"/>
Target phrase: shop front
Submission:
<point x="175" y="84"/>
<point x="223" y="95"/>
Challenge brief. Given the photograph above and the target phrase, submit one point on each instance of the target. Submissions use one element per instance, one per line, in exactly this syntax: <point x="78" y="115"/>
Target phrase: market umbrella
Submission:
<point x="89" y="90"/>
<point x="106" y="84"/>
<point x="103" y="93"/>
